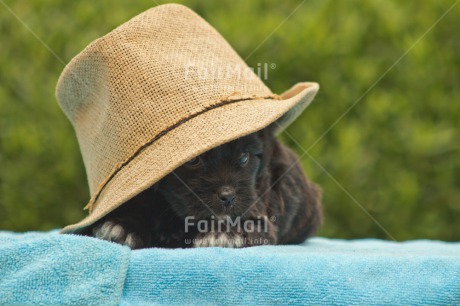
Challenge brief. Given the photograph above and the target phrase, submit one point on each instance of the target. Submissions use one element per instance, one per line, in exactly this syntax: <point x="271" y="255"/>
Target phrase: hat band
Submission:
<point x="119" y="167"/>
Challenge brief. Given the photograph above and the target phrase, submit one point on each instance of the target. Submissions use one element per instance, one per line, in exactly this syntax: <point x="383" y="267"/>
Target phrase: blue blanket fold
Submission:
<point x="53" y="269"/>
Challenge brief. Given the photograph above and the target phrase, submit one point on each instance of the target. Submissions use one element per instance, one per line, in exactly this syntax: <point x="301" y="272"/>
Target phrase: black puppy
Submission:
<point x="246" y="192"/>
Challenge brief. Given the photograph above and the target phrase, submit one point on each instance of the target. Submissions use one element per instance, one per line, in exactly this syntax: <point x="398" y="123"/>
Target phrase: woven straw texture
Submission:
<point x="155" y="92"/>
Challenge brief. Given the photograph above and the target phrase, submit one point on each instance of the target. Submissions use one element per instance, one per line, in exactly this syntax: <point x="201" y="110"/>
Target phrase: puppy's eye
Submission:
<point x="194" y="162"/>
<point x="244" y="158"/>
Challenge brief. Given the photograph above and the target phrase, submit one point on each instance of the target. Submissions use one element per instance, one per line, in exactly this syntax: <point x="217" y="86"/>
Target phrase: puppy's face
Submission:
<point x="220" y="182"/>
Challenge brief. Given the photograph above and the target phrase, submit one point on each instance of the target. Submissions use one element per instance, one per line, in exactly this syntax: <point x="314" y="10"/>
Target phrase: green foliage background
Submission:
<point x="394" y="155"/>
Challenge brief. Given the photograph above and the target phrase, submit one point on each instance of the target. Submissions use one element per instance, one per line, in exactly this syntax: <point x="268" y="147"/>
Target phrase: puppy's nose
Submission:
<point x="227" y="195"/>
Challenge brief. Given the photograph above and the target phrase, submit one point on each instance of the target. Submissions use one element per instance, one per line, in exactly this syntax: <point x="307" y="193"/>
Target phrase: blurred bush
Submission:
<point x="394" y="155"/>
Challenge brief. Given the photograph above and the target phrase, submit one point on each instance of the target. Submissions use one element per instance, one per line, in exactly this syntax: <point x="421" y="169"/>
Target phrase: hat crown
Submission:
<point x="129" y="86"/>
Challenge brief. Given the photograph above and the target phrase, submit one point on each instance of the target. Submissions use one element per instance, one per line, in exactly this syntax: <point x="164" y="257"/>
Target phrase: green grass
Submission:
<point x="381" y="64"/>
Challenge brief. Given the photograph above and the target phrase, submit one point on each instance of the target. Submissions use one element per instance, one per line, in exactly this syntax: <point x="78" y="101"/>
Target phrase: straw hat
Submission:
<point x="155" y="92"/>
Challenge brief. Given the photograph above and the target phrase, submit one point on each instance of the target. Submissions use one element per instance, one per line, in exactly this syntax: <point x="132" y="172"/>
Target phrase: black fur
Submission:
<point x="268" y="189"/>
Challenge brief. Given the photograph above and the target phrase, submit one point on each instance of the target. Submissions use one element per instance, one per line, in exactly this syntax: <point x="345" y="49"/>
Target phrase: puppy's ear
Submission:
<point x="294" y="195"/>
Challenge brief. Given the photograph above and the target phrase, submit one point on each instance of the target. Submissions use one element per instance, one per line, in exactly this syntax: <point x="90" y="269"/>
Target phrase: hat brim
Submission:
<point x="192" y="138"/>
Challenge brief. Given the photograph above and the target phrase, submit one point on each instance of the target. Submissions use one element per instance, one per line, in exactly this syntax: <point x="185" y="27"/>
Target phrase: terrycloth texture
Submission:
<point x="47" y="268"/>
<point x="52" y="269"/>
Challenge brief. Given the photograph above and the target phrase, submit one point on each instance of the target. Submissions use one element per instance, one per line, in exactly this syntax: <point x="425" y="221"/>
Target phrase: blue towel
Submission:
<point x="54" y="269"/>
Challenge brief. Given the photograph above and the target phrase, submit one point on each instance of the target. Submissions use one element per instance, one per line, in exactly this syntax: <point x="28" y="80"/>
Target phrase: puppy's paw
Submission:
<point x="224" y="240"/>
<point x="112" y="231"/>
